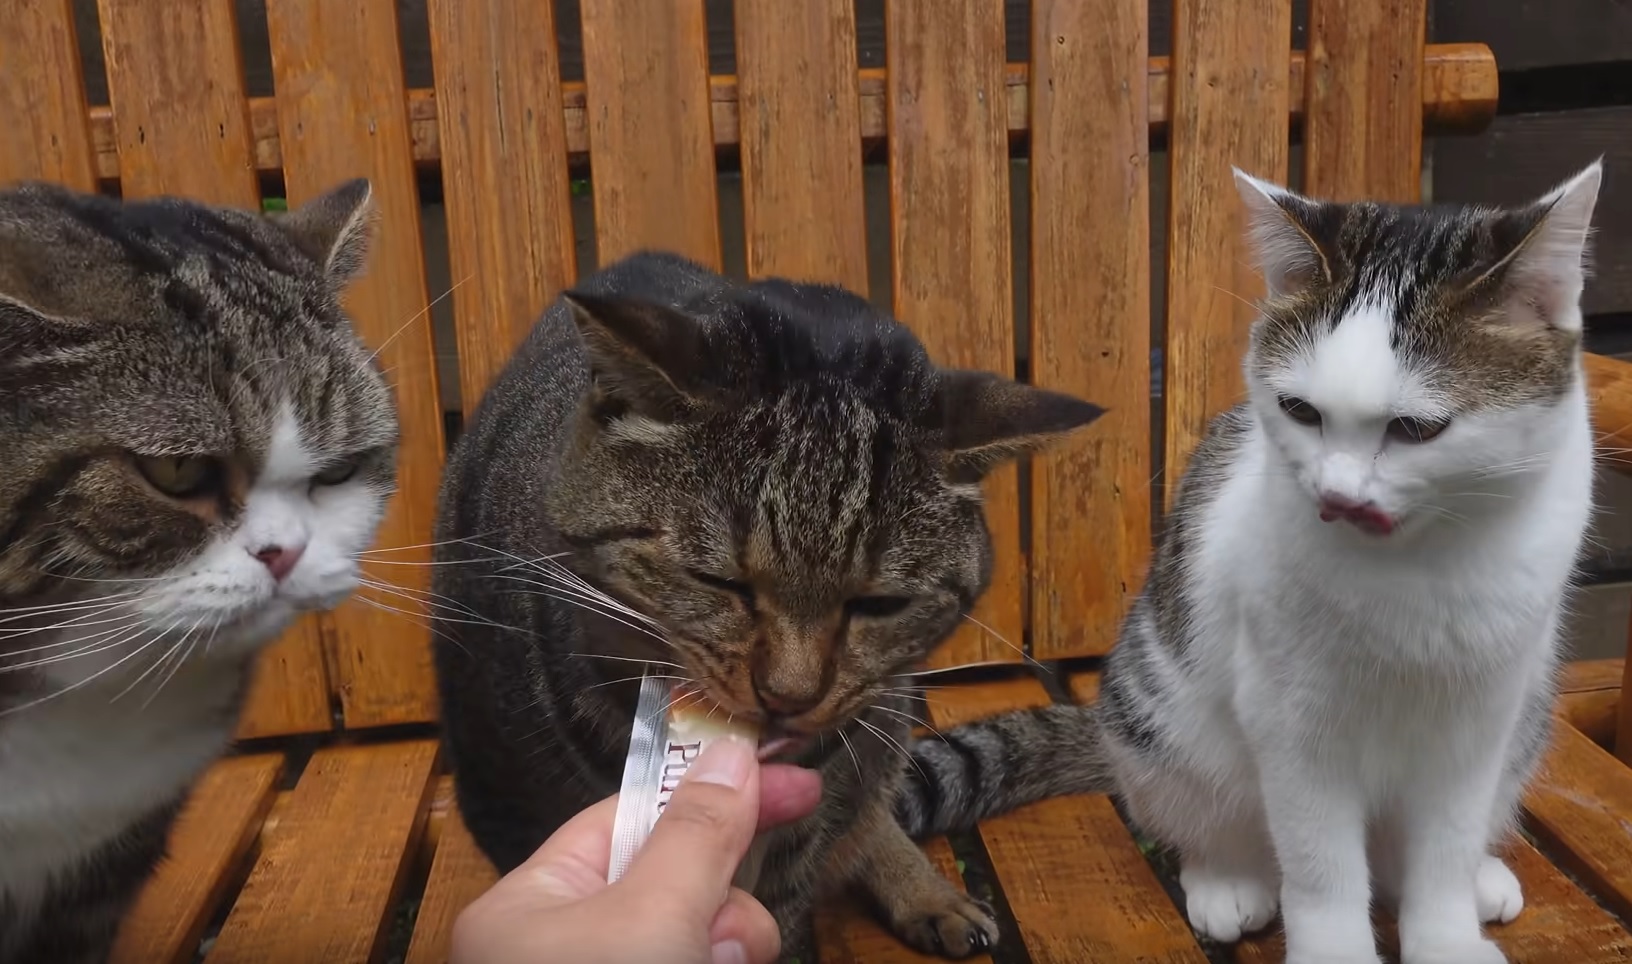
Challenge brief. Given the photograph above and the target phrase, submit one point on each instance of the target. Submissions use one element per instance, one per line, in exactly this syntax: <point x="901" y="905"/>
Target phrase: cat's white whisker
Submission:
<point x="418" y="315"/>
<point x="1004" y="640"/>
<point x="893" y="742"/>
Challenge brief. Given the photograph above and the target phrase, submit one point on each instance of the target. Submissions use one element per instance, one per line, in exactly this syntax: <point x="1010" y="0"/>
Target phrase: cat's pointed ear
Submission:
<point x="990" y="419"/>
<point x="334" y="229"/>
<point x="1543" y="273"/>
<point x="641" y="354"/>
<point x="31" y="337"/>
<point x="1282" y="229"/>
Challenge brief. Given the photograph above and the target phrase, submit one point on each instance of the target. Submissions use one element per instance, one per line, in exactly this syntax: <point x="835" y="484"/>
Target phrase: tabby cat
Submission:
<point x="1348" y="638"/>
<point x="769" y="489"/>
<point x="197" y="447"/>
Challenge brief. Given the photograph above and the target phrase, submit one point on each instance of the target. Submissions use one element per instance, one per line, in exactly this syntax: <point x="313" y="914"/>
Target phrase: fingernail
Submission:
<point x="729" y="952"/>
<point x="726" y="763"/>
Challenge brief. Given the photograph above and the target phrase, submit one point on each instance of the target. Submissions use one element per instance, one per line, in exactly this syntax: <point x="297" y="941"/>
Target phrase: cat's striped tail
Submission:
<point x="991" y="766"/>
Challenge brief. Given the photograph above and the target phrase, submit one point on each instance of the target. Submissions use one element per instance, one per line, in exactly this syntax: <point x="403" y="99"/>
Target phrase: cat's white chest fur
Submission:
<point x="80" y="768"/>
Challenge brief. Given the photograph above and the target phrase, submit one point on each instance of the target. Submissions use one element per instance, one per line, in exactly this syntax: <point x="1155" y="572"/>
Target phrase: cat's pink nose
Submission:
<point x="280" y="561"/>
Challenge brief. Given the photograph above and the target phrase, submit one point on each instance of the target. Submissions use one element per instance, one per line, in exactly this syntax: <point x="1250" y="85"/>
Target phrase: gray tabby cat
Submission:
<point x="197" y="447"/>
<point x="1349" y="634"/>
<point x="766" y="488"/>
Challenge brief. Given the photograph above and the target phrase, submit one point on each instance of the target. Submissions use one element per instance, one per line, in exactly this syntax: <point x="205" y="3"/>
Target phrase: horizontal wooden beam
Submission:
<point x="1458" y="96"/>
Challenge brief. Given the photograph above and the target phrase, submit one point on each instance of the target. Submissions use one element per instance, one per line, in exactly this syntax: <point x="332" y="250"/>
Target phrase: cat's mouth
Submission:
<point x="1366" y="517"/>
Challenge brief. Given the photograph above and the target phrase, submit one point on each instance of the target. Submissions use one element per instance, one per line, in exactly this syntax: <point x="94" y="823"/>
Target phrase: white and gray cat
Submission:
<point x="197" y="448"/>
<point x="1340" y="672"/>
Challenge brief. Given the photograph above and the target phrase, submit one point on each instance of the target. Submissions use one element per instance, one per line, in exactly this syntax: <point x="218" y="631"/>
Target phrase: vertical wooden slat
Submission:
<point x="175" y="80"/>
<point x="1230" y="105"/>
<point x="651" y="143"/>
<point x="459" y="875"/>
<point x="1362" y="121"/>
<point x="504" y="174"/>
<point x="1090" y="315"/>
<point x="342" y="114"/>
<point x="801" y="140"/>
<point x="949" y="202"/>
<point x="1623" y="720"/>
<point x="42" y="97"/>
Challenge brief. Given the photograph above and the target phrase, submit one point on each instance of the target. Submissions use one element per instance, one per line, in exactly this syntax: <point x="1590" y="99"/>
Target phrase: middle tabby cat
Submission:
<point x="768" y="489"/>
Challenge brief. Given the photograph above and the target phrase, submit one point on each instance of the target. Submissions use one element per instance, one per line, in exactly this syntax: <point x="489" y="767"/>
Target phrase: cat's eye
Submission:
<point x="732" y="586"/>
<point x="1416" y="430"/>
<point x="877" y="607"/>
<point x="337" y="473"/>
<point x="1299" y="410"/>
<point x="181" y="476"/>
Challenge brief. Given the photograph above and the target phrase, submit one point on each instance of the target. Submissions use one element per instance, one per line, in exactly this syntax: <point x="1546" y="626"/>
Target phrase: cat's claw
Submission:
<point x="959" y="929"/>
<point x="1497" y="892"/>
<point x="1225" y="906"/>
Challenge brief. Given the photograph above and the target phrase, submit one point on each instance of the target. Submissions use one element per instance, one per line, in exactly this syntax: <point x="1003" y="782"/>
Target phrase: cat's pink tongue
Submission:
<point x="1367" y="517"/>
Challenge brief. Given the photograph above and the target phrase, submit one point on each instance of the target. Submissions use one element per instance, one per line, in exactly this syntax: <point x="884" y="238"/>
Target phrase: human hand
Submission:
<point x="675" y="904"/>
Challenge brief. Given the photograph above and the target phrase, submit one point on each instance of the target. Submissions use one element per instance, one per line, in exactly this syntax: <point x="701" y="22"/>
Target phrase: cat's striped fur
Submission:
<point x="776" y="478"/>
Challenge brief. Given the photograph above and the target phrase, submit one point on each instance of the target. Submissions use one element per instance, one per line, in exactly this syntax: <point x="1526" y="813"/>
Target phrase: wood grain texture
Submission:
<point x="648" y="118"/>
<point x="175" y="79"/>
<point x="1520" y="157"/>
<point x="949" y="206"/>
<point x="504" y="175"/>
<point x="1459" y="96"/>
<point x="1581" y="808"/>
<point x="42" y="94"/>
<point x="1229" y="108"/>
<point x="208" y="845"/>
<point x="1622" y="741"/>
<point x="1559" y="923"/>
<point x="847" y="934"/>
<point x="459" y="875"/>
<point x="1362" y="138"/>
<point x="341" y="115"/>
<point x="1609" y="393"/>
<point x="1073" y="875"/>
<point x="1590" y="698"/>
<point x="329" y="872"/>
<point x="1090" y="312"/>
<point x="801" y="141"/>
<point x="1084" y="686"/>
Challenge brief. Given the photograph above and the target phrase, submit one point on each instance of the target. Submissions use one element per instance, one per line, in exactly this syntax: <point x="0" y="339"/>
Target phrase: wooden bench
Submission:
<point x="330" y="835"/>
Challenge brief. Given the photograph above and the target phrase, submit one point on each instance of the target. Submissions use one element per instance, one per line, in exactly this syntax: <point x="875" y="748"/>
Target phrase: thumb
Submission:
<point x="704" y="832"/>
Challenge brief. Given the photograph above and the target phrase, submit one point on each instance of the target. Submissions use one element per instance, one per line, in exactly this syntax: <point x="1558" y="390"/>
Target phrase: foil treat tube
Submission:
<point x="670" y="732"/>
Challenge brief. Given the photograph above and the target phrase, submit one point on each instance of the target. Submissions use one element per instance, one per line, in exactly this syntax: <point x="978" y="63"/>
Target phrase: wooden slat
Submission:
<point x="1361" y="139"/>
<point x="1623" y="715"/>
<point x="1609" y="390"/>
<point x="847" y="934"/>
<point x="341" y="115"/>
<point x="1084" y="686"/>
<point x="1589" y="697"/>
<point x="1090" y="314"/>
<point x="1459" y="96"/>
<point x="962" y="703"/>
<point x="504" y="175"/>
<point x="801" y="145"/>
<point x="1581" y="808"/>
<point x="175" y="76"/>
<point x="459" y="875"/>
<point x="949" y="201"/>
<point x="1229" y="107"/>
<point x="646" y="74"/>
<point x="42" y="95"/>
<point x="328" y="875"/>
<point x="1068" y="867"/>
<point x="208" y="844"/>
<point x="1559" y="924"/>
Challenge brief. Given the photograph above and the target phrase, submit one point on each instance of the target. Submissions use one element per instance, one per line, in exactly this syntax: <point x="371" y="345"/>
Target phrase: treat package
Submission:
<point x="672" y="728"/>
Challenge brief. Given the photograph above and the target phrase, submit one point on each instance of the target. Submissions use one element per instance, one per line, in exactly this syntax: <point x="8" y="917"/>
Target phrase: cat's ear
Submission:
<point x="642" y="355"/>
<point x="990" y="419"/>
<point x="335" y="229"/>
<point x="30" y="337"/>
<point x="1284" y="231"/>
<point x="1543" y="273"/>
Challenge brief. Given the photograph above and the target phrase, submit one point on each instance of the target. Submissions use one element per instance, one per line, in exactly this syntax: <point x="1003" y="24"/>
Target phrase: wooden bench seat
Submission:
<point x="363" y="858"/>
<point x="1069" y="220"/>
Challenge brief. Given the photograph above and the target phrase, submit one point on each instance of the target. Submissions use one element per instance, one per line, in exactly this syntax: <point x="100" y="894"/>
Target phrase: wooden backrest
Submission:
<point x="1070" y="288"/>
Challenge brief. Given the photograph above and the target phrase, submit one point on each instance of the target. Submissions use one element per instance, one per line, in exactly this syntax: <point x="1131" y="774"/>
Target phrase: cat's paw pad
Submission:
<point x="1472" y="952"/>
<point x="1497" y="892"/>
<point x="1223" y="907"/>
<point x="952" y="925"/>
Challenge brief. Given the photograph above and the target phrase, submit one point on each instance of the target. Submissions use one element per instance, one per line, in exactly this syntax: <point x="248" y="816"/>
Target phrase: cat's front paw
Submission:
<point x="949" y="923"/>
<point x="1225" y="906"/>
<point x="1471" y="952"/>
<point x="1497" y="892"/>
